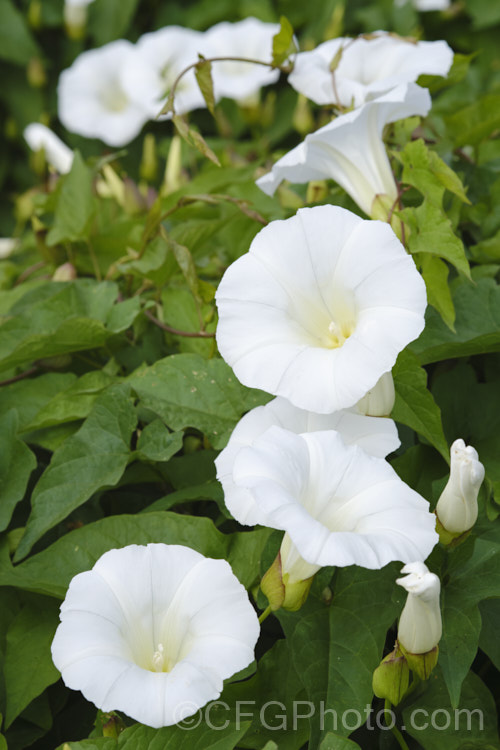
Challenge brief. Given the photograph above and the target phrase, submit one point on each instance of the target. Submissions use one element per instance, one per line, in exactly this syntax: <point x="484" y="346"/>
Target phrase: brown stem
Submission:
<point x="176" y="331"/>
<point x="170" y="101"/>
<point x="21" y="376"/>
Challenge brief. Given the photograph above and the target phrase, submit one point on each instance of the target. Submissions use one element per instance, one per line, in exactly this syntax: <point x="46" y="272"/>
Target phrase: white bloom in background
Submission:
<point x="338" y="505"/>
<point x="319" y="308"/>
<point x="57" y="153"/>
<point x="379" y="437"/>
<point x="7" y="246"/>
<point x="155" y="63"/>
<point x="92" y="100"/>
<point x="457" y="505"/>
<point x="426" y="5"/>
<point x="75" y="13"/>
<point x="367" y="68"/>
<point x="420" y="627"/>
<point x="153" y="632"/>
<point x="350" y="150"/>
<point x="249" y="38"/>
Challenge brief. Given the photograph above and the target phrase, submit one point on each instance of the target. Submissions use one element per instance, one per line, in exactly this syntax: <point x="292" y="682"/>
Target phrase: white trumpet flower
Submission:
<point x="92" y="100"/>
<point x="376" y="436"/>
<point x="319" y="308"/>
<point x="153" y="631"/>
<point x="338" y="505"/>
<point x="367" y="67"/>
<point x="350" y="150"/>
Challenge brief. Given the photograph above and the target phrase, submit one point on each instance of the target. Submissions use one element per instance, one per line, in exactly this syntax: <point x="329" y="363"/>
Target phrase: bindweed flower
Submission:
<point x="377" y="437"/>
<point x="154" y="64"/>
<point x="7" y="246"/>
<point x="319" y="308"/>
<point x="75" y="16"/>
<point x="338" y="505"/>
<point x="92" y="100"/>
<point x="456" y="508"/>
<point x="379" y="401"/>
<point x="367" y="67"/>
<point x="420" y="627"/>
<point x="249" y="38"/>
<point x="350" y="150"/>
<point x="153" y="631"/>
<point x="426" y="5"/>
<point x="57" y="154"/>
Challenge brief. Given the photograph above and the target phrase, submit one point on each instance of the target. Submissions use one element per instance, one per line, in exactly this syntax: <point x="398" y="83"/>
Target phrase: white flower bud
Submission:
<point x="420" y="625"/>
<point x="379" y="401"/>
<point x="457" y="506"/>
<point x="57" y="153"/>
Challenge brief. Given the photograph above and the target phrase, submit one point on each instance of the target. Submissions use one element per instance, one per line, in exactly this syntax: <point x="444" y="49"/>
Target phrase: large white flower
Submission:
<point x="57" y="154"/>
<point x="319" y="308"/>
<point x="249" y="38"/>
<point x="377" y="436"/>
<point x="338" y="505"/>
<point x="159" y="57"/>
<point x="350" y="150"/>
<point x="368" y="67"/>
<point x="153" y="632"/>
<point x="92" y="100"/>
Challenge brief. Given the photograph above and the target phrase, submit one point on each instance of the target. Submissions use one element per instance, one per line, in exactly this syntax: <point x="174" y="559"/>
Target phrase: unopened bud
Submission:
<point x="317" y="190"/>
<point x="457" y="506"/>
<point x="420" y="626"/>
<point x="287" y="582"/>
<point x="35" y="73"/>
<point x="149" y="163"/>
<point x="65" y="272"/>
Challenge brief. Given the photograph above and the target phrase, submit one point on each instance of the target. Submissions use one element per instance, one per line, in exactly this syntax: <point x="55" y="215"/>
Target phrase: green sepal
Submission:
<point x="421" y="664"/>
<point x="392" y="677"/>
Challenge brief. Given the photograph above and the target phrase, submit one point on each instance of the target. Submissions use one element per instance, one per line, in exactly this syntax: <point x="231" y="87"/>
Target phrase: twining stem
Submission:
<point x="21" y="376"/>
<point x="265" y="614"/>
<point x="176" y="331"/>
<point x="170" y="102"/>
<point x="388" y="716"/>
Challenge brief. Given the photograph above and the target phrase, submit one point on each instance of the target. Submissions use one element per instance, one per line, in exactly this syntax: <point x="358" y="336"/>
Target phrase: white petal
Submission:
<point x="58" y="155"/>
<point x="368" y="68"/>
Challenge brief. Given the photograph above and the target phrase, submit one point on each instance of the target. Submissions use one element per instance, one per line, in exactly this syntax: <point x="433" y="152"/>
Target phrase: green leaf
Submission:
<point x="50" y="571"/>
<point x="110" y="19"/>
<point x="430" y="228"/>
<point x="475" y="575"/>
<point x="435" y="273"/>
<point x="194" y="138"/>
<point x="202" y="737"/>
<point x="71" y="403"/>
<point x="203" y="73"/>
<point x="489" y="641"/>
<point x="271" y="694"/>
<point x="92" y="459"/>
<point x="186" y="390"/>
<point x="477" y="325"/>
<point x="59" y="318"/>
<point x="75" y="205"/>
<point x="484" y="13"/>
<point x="16" y="464"/>
<point x="415" y="405"/>
<point x="336" y="649"/>
<point x="28" y="663"/>
<point x="476" y="122"/>
<point x="337" y="742"/>
<point x="432" y="721"/>
<point x="16" y="42"/>
<point x="156" y="443"/>
<point x="32" y="394"/>
<point x="283" y="43"/>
